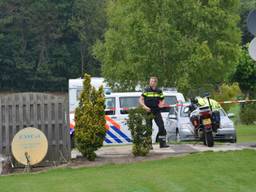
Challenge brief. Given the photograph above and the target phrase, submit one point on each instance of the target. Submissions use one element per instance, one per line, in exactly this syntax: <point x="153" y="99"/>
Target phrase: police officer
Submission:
<point x="214" y="106"/>
<point x="152" y="100"/>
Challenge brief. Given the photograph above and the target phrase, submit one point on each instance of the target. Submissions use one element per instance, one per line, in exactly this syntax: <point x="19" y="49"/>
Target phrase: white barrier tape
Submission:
<point x="221" y="102"/>
<point x="180" y="104"/>
<point x="237" y="101"/>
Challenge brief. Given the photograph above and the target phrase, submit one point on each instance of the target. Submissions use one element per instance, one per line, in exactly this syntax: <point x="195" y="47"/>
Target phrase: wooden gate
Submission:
<point x="47" y="112"/>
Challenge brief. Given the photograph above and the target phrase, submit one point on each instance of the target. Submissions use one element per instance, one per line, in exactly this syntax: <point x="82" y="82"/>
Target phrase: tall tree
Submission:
<point x="88" y="24"/>
<point x="40" y="45"/>
<point x="185" y="43"/>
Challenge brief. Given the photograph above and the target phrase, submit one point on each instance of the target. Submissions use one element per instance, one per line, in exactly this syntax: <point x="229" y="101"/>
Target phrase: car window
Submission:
<point x="170" y="100"/>
<point x="127" y="103"/>
<point x="222" y="113"/>
<point x="110" y="107"/>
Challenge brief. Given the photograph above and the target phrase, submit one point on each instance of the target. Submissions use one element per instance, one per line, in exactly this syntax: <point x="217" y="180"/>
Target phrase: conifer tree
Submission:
<point x="90" y="120"/>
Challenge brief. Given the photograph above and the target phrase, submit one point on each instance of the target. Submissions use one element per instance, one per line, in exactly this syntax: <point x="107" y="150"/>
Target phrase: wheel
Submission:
<point x="177" y="136"/>
<point x="208" y="139"/>
<point x="233" y="140"/>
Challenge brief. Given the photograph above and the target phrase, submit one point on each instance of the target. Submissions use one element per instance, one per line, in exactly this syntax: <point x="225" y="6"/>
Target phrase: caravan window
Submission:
<point x="78" y="93"/>
<point x="127" y="103"/>
<point x="110" y="106"/>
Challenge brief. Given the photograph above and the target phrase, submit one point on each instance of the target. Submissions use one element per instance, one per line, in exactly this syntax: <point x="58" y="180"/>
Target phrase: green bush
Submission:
<point x="227" y="92"/>
<point x="141" y="134"/>
<point x="248" y="113"/>
<point x="90" y="120"/>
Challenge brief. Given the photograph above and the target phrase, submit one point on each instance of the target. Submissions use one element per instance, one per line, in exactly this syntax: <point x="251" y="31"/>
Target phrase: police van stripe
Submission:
<point x="114" y="137"/>
<point x="121" y="133"/>
<point x="107" y="140"/>
<point x="113" y="122"/>
<point x="110" y="137"/>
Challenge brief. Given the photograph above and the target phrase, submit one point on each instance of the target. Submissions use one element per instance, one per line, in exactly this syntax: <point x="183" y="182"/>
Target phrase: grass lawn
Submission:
<point x="246" y="133"/>
<point x="223" y="171"/>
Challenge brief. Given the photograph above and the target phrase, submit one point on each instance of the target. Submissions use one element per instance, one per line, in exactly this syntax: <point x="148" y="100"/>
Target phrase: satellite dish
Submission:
<point x="29" y="146"/>
<point x="252" y="49"/>
<point x="251" y="22"/>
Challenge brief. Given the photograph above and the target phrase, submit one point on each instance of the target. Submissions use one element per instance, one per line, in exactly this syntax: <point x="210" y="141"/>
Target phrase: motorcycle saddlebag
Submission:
<point x="215" y="120"/>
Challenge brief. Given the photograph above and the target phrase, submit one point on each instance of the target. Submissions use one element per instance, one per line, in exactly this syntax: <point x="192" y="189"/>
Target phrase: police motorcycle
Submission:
<point x="205" y="121"/>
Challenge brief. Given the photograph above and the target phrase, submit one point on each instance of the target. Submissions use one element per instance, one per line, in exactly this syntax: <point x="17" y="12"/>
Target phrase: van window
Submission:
<point x="110" y="106"/>
<point x="127" y="103"/>
<point x="171" y="100"/>
<point x="173" y="110"/>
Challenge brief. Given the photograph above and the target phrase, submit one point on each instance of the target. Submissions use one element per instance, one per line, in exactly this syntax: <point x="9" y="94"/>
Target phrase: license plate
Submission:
<point x="207" y="121"/>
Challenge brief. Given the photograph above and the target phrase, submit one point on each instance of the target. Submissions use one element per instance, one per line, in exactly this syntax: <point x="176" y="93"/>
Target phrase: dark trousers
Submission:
<point x="156" y="115"/>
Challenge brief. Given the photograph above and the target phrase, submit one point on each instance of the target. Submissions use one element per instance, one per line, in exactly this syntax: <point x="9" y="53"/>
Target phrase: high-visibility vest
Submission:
<point x="204" y="102"/>
<point x="215" y="105"/>
<point x="201" y="101"/>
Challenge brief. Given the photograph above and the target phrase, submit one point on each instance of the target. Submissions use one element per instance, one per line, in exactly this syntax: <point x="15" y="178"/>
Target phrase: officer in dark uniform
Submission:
<point x="152" y="100"/>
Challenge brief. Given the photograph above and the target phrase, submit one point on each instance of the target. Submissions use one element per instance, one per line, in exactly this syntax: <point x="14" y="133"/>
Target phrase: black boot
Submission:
<point x="163" y="143"/>
<point x="157" y="137"/>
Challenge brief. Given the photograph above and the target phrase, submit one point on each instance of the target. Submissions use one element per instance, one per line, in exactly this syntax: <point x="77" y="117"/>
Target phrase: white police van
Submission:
<point x="117" y="105"/>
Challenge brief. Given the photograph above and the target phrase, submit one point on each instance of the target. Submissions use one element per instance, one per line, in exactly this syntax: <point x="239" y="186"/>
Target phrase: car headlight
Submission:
<point x="186" y="126"/>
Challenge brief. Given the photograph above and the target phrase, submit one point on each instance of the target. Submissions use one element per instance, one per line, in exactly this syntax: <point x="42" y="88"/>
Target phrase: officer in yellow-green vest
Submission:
<point x="152" y="100"/>
<point x="215" y="106"/>
<point x="204" y="102"/>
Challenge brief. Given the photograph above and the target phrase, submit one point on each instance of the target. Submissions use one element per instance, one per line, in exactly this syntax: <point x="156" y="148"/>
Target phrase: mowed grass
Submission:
<point x="246" y="133"/>
<point x="223" y="171"/>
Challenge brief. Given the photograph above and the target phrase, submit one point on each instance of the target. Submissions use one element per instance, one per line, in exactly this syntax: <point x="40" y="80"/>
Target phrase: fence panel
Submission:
<point x="47" y="112"/>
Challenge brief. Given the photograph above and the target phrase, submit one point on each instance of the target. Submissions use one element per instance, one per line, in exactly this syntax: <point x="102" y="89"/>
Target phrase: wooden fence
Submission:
<point x="47" y="112"/>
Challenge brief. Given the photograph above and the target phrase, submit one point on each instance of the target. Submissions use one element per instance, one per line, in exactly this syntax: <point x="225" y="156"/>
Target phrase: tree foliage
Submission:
<point x="245" y="74"/>
<point x="248" y="113"/>
<point x="44" y="42"/>
<point x="226" y="93"/>
<point x="90" y="120"/>
<point x="185" y="43"/>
